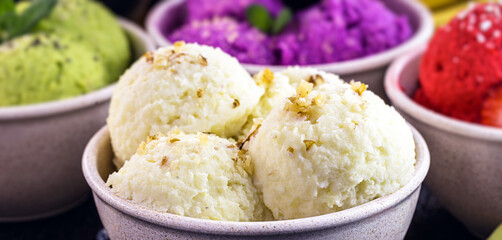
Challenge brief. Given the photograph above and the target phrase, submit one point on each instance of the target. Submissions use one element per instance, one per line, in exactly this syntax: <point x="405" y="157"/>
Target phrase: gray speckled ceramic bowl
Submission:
<point x="384" y="218"/>
<point x="167" y="15"/>
<point x="41" y="147"/>
<point x="466" y="158"/>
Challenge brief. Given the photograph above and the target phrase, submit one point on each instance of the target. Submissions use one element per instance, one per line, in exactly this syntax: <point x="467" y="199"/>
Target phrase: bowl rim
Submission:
<point x="77" y="102"/>
<point x="401" y="100"/>
<point x="422" y="34"/>
<point x="89" y="166"/>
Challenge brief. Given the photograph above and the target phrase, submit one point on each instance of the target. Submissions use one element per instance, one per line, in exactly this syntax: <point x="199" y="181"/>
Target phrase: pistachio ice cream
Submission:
<point x="90" y="23"/>
<point x="77" y="48"/>
<point x="37" y="67"/>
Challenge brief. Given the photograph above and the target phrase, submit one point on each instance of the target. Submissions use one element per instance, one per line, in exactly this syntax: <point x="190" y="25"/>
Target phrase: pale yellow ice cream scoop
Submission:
<point x="329" y="147"/>
<point x="188" y="86"/>
<point x="195" y="175"/>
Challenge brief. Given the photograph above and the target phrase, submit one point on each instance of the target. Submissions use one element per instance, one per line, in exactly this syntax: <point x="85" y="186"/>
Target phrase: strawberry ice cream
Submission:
<point x="460" y="72"/>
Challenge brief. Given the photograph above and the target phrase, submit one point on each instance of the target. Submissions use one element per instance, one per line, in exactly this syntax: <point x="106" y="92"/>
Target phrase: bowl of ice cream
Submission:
<point x="48" y="113"/>
<point x="386" y="218"/>
<point x="362" y="53"/>
<point x="458" y="123"/>
<point x="195" y="147"/>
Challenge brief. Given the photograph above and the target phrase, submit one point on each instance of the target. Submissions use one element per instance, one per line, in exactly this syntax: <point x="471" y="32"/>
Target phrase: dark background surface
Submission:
<point x="136" y="9"/>
<point x="430" y="221"/>
<point x="132" y="9"/>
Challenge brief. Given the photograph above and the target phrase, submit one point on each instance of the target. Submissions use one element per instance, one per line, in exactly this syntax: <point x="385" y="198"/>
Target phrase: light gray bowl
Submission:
<point x="466" y="165"/>
<point x="167" y="15"/>
<point x="384" y="218"/>
<point x="41" y="146"/>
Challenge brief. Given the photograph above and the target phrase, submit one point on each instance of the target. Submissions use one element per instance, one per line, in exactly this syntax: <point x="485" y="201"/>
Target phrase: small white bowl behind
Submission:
<point x="167" y="15"/>
<point x="466" y="158"/>
<point x="387" y="217"/>
<point x="41" y="146"/>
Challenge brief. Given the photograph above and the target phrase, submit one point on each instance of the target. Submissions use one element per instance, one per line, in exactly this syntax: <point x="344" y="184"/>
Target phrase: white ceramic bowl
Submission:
<point x="167" y="15"/>
<point x="41" y="146"/>
<point x="387" y="217"/>
<point x="466" y="158"/>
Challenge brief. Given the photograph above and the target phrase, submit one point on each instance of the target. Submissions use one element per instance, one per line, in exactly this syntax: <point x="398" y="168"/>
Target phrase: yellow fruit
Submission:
<point x="444" y="15"/>
<point x="497" y="234"/>
<point x="434" y="4"/>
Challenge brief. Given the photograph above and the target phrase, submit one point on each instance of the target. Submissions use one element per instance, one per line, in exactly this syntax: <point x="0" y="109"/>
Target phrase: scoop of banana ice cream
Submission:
<point x="329" y="147"/>
<point x="278" y="87"/>
<point x="192" y="87"/>
<point x="196" y="175"/>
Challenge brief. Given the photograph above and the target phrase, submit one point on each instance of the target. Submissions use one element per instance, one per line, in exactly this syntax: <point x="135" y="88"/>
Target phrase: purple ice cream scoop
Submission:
<point x="240" y="40"/>
<point x="338" y="30"/>
<point x="205" y="9"/>
<point x="330" y="31"/>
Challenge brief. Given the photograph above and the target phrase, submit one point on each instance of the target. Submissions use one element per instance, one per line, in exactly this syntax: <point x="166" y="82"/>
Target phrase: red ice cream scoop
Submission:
<point x="461" y="70"/>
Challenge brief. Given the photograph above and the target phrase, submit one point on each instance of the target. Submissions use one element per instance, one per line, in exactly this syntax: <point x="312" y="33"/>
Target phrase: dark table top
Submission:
<point x="430" y="221"/>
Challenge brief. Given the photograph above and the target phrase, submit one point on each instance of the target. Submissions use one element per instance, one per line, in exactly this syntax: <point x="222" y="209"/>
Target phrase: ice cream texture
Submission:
<point x="278" y="87"/>
<point x="309" y="143"/>
<point x="240" y="40"/>
<point x="78" y="48"/>
<point x="195" y="175"/>
<point x="38" y="68"/>
<point x="339" y="30"/>
<point x="330" y="31"/>
<point x="460" y="74"/>
<point x="187" y="86"/>
<point x="329" y="147"/>
<point x="89" y="23"/>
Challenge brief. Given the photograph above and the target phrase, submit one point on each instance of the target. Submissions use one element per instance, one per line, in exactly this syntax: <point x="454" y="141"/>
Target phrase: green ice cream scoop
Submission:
<point x="39" y="67"/>
<point x="90" y="23"/>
